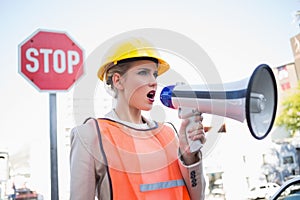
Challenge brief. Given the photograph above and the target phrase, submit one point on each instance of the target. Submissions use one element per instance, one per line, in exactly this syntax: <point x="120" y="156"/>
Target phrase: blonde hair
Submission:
<point x="121" y="69"/>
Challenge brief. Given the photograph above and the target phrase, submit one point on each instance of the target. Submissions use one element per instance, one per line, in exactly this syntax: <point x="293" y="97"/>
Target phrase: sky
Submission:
<point x="237" y="36"/>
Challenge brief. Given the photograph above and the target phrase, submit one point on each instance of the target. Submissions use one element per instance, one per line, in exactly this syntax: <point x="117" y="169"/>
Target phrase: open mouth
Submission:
<point x="151" y="95"/>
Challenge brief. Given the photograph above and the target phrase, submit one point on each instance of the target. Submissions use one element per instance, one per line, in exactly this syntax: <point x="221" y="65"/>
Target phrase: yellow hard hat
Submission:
<point x="131" y="48"/>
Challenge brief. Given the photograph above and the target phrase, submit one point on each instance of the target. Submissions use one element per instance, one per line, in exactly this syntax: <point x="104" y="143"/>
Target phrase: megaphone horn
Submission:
<point x="253" y="99"/>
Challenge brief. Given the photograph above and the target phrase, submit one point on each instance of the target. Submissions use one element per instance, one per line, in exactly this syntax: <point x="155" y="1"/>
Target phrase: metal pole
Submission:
<point x="53" y="146"/>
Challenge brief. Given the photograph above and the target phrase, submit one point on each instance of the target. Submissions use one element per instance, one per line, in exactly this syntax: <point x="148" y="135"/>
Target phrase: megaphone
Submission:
<point x="253" y="98"/>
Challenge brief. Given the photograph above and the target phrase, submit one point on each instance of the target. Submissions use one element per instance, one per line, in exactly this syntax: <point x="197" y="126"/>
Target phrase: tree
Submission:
<point x="290" y="114"/>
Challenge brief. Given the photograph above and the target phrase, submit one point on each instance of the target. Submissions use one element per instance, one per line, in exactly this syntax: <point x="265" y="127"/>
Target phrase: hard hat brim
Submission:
<point x="162" y="67"/>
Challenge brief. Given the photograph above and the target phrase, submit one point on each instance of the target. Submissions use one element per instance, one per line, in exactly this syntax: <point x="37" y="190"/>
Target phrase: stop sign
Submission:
<point x="51" y="61"/>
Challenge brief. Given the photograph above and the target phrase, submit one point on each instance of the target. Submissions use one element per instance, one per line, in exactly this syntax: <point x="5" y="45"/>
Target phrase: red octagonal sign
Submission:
<point x="51" y="61"/>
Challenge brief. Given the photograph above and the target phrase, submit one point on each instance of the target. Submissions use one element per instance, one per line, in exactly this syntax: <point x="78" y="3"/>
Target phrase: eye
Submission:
<point x="147" y="72"/>
<point x="143" y="72"/>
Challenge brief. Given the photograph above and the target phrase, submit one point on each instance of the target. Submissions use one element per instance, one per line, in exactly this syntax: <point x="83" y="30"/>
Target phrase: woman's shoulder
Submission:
<point x="85" y="131"/>
<point x="84" y="139"/>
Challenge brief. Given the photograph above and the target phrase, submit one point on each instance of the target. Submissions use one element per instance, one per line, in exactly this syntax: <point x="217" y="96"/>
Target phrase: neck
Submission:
<point x="129" y="115"/>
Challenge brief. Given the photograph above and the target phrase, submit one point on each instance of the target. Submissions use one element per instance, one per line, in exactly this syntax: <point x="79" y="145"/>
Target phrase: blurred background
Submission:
<point x="237" y="36"/>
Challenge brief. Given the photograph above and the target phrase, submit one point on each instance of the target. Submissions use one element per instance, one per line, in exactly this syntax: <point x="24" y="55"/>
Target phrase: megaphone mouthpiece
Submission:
<point x="166" y="96"/>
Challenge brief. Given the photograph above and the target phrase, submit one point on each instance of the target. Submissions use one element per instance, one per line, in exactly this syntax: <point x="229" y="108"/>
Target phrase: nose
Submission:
<point x="153" y="81"/>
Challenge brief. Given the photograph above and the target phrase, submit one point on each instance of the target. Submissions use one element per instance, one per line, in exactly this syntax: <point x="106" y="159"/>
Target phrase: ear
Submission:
<point x="116" y="79"/>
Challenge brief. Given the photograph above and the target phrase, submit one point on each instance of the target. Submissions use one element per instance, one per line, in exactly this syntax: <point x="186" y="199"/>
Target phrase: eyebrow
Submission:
<point x="147" y="69"/>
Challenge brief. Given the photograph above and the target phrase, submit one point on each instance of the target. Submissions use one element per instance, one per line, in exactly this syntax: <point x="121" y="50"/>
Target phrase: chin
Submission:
<point x="146" y="108"/>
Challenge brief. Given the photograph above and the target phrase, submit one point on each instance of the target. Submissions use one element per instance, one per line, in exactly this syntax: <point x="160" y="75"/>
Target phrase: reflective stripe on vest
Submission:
<point x="161" y="185"/>
<point x="142" y="163"/>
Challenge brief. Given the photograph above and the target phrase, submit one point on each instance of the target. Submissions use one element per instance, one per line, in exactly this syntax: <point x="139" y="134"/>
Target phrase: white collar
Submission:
<point x="149" y="123"/>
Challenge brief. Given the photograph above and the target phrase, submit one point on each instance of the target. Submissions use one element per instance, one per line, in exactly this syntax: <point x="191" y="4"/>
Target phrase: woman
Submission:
<point x="125" y="155"/>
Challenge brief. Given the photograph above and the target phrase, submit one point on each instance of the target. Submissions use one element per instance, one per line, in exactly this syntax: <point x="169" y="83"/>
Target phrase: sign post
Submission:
<point x="51" y="62"/>
<point x="53" y="146"/>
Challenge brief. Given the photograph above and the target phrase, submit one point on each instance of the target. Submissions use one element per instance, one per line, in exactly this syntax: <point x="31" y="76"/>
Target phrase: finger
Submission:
<point x="200" y="137"/>
<point x="198" y="113"/>
<point x="198" y="118"/>
<point x="198" y="132"/>
<point x="196" y="127"/>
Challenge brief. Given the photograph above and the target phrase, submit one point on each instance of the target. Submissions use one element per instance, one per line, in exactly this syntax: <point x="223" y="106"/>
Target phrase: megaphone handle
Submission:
<point x="188" y="113"/>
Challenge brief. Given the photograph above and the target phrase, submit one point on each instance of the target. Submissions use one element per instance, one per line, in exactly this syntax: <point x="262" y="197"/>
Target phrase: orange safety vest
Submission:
<point x="142" y="164"/>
